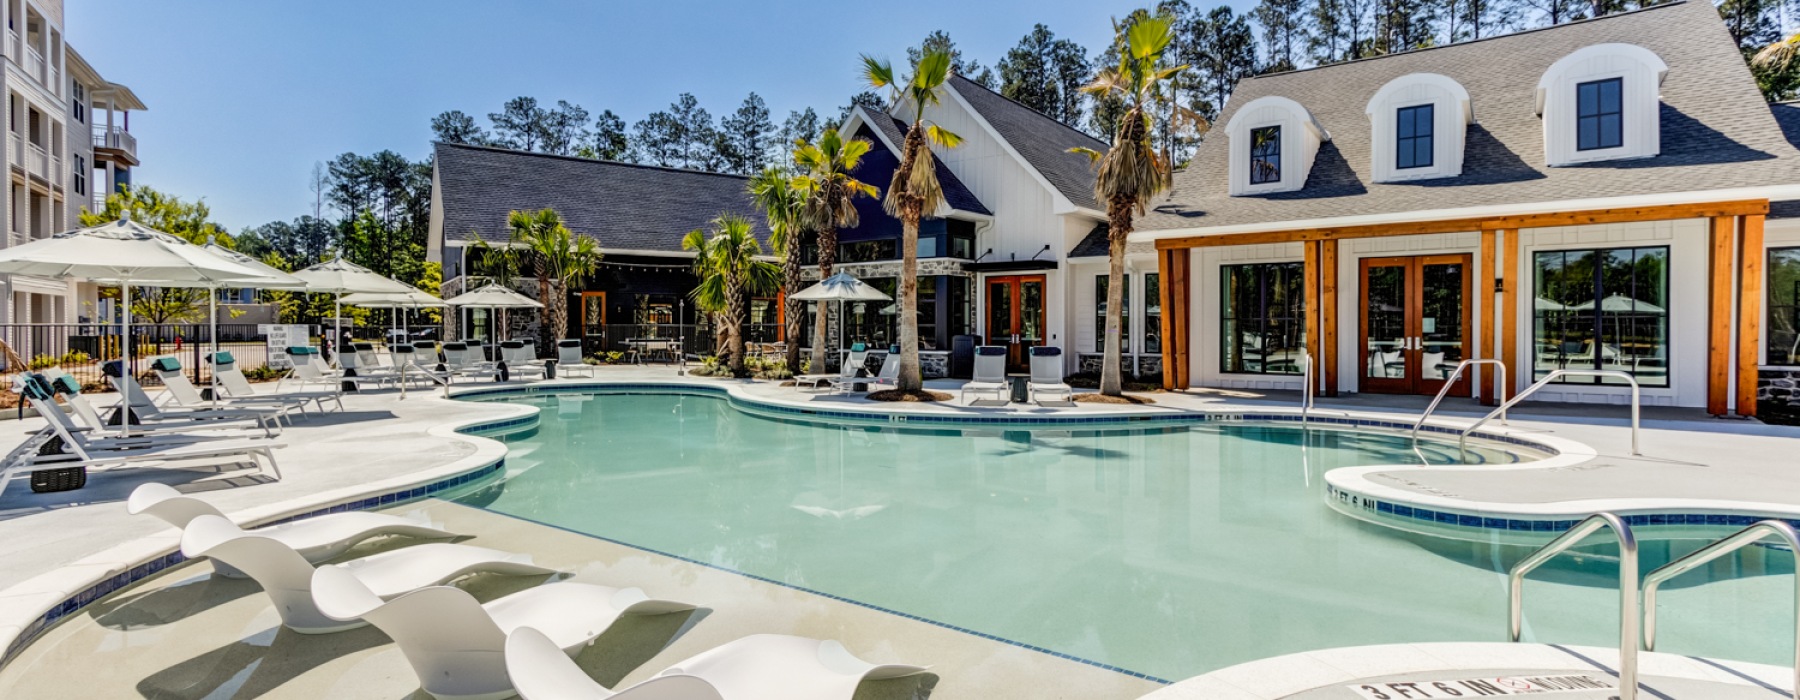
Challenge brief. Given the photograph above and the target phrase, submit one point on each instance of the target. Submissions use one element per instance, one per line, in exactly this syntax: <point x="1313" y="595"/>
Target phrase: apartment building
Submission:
<point x="68" y="144"/>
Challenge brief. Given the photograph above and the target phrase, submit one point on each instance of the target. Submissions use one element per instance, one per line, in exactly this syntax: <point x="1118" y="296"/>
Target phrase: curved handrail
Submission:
<point x="1460" y="366"/>
<point x="1306" y="385"/>
<point x="1636" y="398"/>
<point x="1628" y="589"/>
<point x="1698" y="558"/>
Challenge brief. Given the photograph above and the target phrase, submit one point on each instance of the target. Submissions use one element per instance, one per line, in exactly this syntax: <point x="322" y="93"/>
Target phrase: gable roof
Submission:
<point x="1717" y="131"/>
<point x="623" y="206"/>
<point x="1042" y="142"/>
<point x="893" y="133"/>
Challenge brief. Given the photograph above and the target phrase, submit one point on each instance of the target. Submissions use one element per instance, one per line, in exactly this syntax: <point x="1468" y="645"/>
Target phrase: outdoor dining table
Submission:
<point x="640" y="346"/>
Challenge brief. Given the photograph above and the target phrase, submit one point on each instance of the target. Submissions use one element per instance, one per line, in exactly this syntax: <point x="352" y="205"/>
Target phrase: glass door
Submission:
<point x="593" y="320"/>
<point x="1414" y="323"/>
<point x="1015" y="317"/>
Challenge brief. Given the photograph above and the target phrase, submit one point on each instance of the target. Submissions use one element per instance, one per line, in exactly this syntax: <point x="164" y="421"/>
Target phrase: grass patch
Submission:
<point x="1126" y="400"/>
<point x="908" y="396"/>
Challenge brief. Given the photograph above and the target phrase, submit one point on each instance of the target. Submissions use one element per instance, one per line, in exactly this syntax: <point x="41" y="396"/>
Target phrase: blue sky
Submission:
<point x="245" y="96"/>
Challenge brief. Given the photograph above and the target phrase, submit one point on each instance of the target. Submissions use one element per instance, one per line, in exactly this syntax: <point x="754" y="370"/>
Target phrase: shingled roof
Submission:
<point x="624" y="206"/>
<point x="956" y="194"/>
<point x="1043" y="142"/>
<point x="1717" y="130"/>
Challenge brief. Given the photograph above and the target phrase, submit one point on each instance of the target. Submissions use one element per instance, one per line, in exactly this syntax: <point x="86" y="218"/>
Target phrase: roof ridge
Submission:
<point x="1021" y="105"/>
<point x="1471" y="42"/>
<point x="579" y="159"/>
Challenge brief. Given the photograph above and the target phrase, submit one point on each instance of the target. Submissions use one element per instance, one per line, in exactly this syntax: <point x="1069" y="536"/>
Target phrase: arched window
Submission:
<point x="1419" y="122"/>
<point x="1273" y="141"/>
<point x="1602" y="102"/>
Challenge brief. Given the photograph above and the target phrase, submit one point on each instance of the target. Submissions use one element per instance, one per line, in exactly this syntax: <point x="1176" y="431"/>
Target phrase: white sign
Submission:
<point x="280" y="337"/>
<point x="1480" y="687"/>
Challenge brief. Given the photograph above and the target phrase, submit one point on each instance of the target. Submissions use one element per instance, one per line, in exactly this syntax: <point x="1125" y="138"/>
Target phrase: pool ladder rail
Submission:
<point x="1632" y="607"/>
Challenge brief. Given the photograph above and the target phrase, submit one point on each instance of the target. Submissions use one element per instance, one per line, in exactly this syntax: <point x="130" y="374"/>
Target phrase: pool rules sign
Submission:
<point x="1484" y="687"/>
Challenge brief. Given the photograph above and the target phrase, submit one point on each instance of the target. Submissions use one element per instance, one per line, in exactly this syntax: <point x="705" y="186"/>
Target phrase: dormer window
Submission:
<point x="1602" y="102"/>
<point x="1273" y="140"/>
<point x="1599" y="114"/>
<point x="1265" y="155"/>
<point x="1418" y="124"/>
<point x="1414" y="137"/>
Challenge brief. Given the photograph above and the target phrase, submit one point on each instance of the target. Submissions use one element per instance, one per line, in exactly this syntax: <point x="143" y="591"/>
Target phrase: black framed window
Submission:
<point x="1600" y="114"/>
<point x="1265" y="155"/>
<point x="1100" y="314"/>
<point x="1784" y="306"/>
<point x="1262" y="319"/>
<point x="1602" y="309"/>
<point x="1152" y="344"/>
<point x="1413" y="133"/>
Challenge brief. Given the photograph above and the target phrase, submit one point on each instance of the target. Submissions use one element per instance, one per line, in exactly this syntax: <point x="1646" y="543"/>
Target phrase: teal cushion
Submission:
<point x="223" y="358"/>
<point x="166" y="364"/>
<point x="66" y="385"/>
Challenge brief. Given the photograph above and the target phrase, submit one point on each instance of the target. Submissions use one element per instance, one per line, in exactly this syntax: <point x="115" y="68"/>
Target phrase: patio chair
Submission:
<point x="317" y="538"/>
<point x="287" y="576"/>
<point x="367" y="362"/>
<point x="186" y="395"/>
<point x="751" y="668"/>
<point x="70" y="390"/>
<point x="135" y="406"/>
<point x="235" y="385"/>
<point x="310" y="370"/>
<point x="989" y="375"/>
<point x="851" y="365"/>
<point x="888" y="376"/>
<point x="456" y="644"/>
<point x="1047" y="375"/>
<point x="464" y="360"/>
<point x="520" y="360"/>
<point x="569" y="361"/>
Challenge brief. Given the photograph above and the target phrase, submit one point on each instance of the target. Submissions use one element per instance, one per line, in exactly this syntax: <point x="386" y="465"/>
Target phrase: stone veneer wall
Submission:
<point x="1089" y="363"/>
<point x="1779" y="386"/>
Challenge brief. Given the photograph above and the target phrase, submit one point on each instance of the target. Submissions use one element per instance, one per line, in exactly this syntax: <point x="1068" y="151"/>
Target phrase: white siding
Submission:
<point x="1204" y="355"/>
<point x="1300" y="139"/>
<point x="1450" y="122"/>
<point x="1641" y="72"/>
<point x="1024" y="209"/>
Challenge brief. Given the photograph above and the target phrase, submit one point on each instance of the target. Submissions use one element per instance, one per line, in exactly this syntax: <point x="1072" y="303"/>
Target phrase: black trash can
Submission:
<point x="962" y="356"/>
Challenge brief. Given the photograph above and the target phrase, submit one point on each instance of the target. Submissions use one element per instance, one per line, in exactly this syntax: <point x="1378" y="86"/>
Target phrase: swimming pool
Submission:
<point x="1165" y="551"/>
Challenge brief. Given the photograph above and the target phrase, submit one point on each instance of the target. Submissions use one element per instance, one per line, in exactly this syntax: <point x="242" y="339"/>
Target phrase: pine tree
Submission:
<point x="456" y="127"/>
<point x="1226" y="47"/>
<point x="1285" y="33"/>
<point x="939" y="40"/>
<point x="1329" y="41"/>
<point x="607" y="140"/>
<point x="1046" y="74"/>
<point x="746" y="136"/>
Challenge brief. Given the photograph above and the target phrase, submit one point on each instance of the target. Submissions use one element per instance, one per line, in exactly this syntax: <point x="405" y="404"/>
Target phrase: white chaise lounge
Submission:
<point x="989" y="376"/>
<point x="317" y="538"/>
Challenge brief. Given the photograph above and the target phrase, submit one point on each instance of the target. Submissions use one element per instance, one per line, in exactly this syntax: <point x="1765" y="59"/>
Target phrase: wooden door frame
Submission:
<point x="1465" y="384"/>
<point x="1364" y="382"/>
<point x="1015" y="289"/>
<point x="584" y="305"/>
<point x="1416" y="381"/>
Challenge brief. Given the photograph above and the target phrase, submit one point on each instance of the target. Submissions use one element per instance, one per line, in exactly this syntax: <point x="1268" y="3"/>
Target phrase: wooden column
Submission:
<point x="1183" y="265"/>
<point x="1513" y="285"/>
<point x="1490" y="271"/>
<point x="1750" y="297"/>
<point x="1718" y="337"/>
<point x="1310" y="276"/>
<point x="1166" y="274"/>
<point x="1328" y="296"/>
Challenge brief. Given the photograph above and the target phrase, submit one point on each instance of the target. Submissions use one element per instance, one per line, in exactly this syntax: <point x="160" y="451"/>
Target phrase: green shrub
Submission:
<point x="75" y="357"/>
<point x="42" y="361"/>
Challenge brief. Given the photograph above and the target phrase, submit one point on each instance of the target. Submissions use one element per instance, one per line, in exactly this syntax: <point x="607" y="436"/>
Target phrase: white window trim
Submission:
<point x="1451" y="116"/>
<point x="1641" y="73"/>
<point x="1301" y="135"/>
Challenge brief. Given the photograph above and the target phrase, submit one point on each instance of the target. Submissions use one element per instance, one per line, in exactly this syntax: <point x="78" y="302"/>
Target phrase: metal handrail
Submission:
<point x="1636" y="397"/>
<point x="1742" y="538"/>
<point x="1306" y="385"/>
<point x="1628" y="589"/>
<point x="1460" y="366"/>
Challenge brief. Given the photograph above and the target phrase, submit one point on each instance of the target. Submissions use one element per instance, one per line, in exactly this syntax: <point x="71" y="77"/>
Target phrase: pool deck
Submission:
<point x="56" y="544"/>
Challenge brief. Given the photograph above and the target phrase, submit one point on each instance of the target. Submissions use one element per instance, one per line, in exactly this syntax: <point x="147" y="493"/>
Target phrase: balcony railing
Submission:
<point x="34" y="65"/>
<point x="15" y="152"/>
<point x="55" y="173"/>
<point x="115" y="138"/>
<point x="37" y="161"/>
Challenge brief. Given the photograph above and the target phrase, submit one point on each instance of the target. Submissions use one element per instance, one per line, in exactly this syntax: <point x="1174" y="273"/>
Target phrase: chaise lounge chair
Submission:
<point x="989" y="376"/>
<point x="317" y="538"/>
<point x="1047" y="375"/>
<point x="287" y="576"/>
<point x="520" y="360"/>
<point x="236" y="386"/>
<point x="137" y="406"/>
<point x="568" y="359"/>
<point x="889" y="375"/>
<point x="186" y="395"/>
<point x="852" y="364"/>
<point x="756" y="667"/>
<point x="456" y="644"/>
<point x="70" y="390"/>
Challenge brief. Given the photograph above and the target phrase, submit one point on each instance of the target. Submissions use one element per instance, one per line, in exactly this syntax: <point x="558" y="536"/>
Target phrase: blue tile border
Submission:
<point x="110" y="585"/>
<point x="1383" y="509"/>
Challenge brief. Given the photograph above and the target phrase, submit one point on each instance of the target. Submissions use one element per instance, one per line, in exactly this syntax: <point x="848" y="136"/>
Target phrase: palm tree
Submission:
<point x="915" y="189"/>
<point x="830" y="190"/>
<point x="1779" y="56"/>
<point x="1131" y="173"/>
<point x="729" y="272"/>
<point x="558" y="257"/>
<point x="782" y="206"/>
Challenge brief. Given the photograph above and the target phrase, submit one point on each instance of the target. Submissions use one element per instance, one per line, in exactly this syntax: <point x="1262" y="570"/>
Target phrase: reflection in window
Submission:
<point x="1152" y="343"/>
<point x="1100" y="314"/>
<point x="1599" y="114"/>
<point x="1413" y="137"/>
<point x="1263" y="318"/>
<point x="1784" y="306"/>
<point x="1265" y="155"/>
<point x="1602" y="310"/>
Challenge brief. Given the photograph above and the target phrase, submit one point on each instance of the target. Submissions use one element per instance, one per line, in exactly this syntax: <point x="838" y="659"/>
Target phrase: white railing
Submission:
<point x="34" y="65"/>
<point x="1636" y="401"/>
<point x="12" y="45"/>
<point x="16" y="150"/>
<point x="37" y="161"/>
<point x="115" y="138"/>
<point x="55" y="175"/>
<point x="1628" y="589"/>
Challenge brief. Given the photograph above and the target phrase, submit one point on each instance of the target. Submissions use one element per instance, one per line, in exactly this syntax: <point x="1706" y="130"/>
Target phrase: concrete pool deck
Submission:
<point x="57" y="542"/>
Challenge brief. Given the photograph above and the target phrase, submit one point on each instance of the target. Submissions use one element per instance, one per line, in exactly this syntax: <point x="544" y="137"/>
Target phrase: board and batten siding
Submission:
<point x="1204" y="354"/>
<point x="1025" y="215"/>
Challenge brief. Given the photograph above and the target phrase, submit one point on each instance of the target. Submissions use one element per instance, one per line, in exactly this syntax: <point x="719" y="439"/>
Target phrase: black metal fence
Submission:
<point x="696" y="340"/>
<point x="81" y="348"/>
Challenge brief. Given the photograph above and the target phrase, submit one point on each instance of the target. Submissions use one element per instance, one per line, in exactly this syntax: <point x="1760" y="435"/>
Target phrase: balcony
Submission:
<point x="15" y="151"/>
<point x="34" y="65"/>
<point x="115" y="139"/>
<point x="37" y="162"/>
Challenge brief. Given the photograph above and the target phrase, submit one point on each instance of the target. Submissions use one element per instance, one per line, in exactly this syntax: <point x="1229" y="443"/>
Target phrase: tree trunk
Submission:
<point x="790" y="269"/>
<point x="911" y="208"/>
<point x="544" y="297"/>
<point x="559" y="319"/>
<point x="827" y="256"/>
<point x="734" y="325"/>
<point x="1118" y="227"/>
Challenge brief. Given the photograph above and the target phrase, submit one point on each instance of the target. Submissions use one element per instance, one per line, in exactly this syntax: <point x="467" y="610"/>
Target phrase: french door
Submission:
<point x="1015" y="317"/>
<point x="1414" y="323"/>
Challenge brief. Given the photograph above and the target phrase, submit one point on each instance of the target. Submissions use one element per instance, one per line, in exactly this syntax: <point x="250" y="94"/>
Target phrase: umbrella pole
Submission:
<point x="125" y="353"/>
<point x="212" y="298"/>
<point x="337" y="328"/>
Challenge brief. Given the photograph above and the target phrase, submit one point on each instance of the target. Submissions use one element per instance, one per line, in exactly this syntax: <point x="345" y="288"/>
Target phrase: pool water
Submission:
<point x="1166" y="552"/>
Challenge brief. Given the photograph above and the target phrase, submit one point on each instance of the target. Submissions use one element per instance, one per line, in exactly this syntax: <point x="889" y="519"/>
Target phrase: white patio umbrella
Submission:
<point x="492" y="296"/>
<point x="412" y="299"/>
<point x="127" y="253"/>
<point x="840" y="288"/>
<point x="339" y="276"/>
<point x="1621" y="304"/>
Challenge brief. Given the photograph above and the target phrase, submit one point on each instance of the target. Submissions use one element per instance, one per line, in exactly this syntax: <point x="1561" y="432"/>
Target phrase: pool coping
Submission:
<point x="35" y="605"/>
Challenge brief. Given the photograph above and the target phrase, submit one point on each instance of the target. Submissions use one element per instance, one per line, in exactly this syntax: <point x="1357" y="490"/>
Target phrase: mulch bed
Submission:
<point x="1127" y="399"/>
<point x="908" y="396"/>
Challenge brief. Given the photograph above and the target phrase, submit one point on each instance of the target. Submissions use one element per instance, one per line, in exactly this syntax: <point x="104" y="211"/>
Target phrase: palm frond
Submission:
<point x="878" y="72"/>
<point x="1093" y="155"/>
<point x="932" y="71"/>
<point x="942" y="136"/>
<point x="1777" y="57"/>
